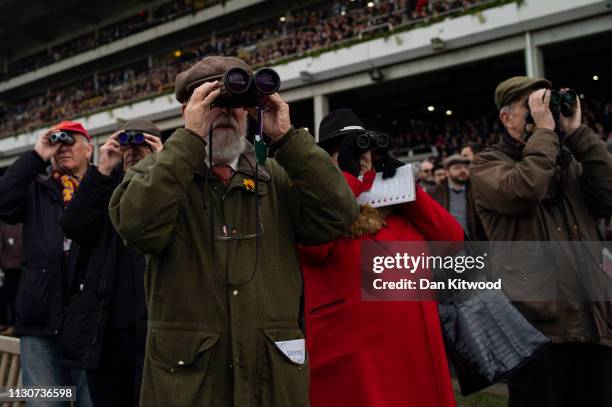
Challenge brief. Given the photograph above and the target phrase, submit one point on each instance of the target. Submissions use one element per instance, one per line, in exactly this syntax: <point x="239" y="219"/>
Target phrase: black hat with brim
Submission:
<point x="339" y="123"/>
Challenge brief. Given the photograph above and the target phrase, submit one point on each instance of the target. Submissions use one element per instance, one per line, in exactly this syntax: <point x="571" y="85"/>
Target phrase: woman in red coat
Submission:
<point x="367" y="353"/>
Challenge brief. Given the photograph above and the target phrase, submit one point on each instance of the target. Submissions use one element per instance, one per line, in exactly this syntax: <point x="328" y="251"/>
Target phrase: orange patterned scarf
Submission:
<point x="69" y="184"/>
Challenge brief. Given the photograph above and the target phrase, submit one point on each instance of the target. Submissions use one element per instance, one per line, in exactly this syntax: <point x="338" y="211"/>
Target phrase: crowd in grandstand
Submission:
<point x="112" y="32"/>
<point x="294" y="34"/>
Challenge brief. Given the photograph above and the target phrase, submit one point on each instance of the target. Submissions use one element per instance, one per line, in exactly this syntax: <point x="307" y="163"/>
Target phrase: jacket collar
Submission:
<point x="509" y="146"/>
<point x="246" y="166"/>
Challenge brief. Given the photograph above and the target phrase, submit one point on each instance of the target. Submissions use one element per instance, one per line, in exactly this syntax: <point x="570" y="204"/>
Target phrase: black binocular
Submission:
<point x="560" y="104"/>
<point x="61" y="137"/>
<point x="358" y="142"/>
<point x="131" y="137"/>
<point x="372" y="140"/>
<point x="242" y="89"/>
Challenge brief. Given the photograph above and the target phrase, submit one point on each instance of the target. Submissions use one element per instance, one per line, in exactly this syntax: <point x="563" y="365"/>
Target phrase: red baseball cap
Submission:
<point x="74" y="127"/>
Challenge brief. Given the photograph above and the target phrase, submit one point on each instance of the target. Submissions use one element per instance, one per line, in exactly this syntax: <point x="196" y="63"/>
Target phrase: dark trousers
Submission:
<point x="116" y="383"/>
<point x="565" y="375"/>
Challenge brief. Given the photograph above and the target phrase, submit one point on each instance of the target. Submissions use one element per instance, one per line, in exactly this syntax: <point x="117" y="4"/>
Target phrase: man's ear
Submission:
<point x="183" y="106"/>
<point x="504" y="117"/>
<point x="89" y="151"/>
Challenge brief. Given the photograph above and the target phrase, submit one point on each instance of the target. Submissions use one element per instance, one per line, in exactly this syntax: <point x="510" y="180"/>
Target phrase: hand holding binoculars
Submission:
<point x="562" y="103"/>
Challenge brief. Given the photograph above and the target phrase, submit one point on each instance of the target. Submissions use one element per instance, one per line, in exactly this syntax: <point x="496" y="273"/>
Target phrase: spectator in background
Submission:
<point x="34" y="190"/>
<point x="352" y="341"/>
<point x="470" y="150"/>
<point x="11" y="254"/>
<point x="425" y="178"/>
<point x="114" y="362"/>
<point x="455" y="195"/>
<point x="439" y="173"/>
<point x="550" y="186"/>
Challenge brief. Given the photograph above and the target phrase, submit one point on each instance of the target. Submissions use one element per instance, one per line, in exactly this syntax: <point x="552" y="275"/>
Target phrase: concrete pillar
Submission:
<point x="534" y="60"/>
<point x="321" y="109"/>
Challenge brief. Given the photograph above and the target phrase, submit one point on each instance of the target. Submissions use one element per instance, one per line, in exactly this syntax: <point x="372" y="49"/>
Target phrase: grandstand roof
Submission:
<point x="39" y="22"/>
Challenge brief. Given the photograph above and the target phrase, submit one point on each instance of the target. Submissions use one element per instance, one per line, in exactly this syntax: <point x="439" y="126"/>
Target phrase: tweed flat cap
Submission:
<point x="455" y="159"/>
<point x="510" y="89"/>
<point x="206" y="70"/>
<point x="144" y="126"/>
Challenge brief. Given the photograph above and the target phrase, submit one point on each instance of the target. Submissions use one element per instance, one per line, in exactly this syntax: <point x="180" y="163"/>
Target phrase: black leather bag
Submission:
<point x="486" y="338"/>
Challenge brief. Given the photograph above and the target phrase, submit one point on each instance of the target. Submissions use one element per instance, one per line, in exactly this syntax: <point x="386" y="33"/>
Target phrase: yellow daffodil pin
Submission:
<point x="249" y="184"/>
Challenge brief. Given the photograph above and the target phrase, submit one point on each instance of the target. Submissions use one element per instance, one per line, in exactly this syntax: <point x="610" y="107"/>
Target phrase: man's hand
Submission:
<point x="570" y="124"/>
<point x="540" y="109"/>
<point x="44" y="148"/>
<point x="197" y="112"/>
<point x="276" y="121"/>
<point x="110" y="154"/>
<point x="154" y="143"/>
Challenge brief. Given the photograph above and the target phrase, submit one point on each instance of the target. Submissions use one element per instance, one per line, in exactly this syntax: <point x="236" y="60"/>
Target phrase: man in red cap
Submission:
<point x="34" y="190"/>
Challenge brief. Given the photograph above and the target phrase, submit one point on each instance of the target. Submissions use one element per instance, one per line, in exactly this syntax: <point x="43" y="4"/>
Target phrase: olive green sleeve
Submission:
<point x="321" y="203"/>
<point x="511" y="188"/>
<point x="144" y="207"/>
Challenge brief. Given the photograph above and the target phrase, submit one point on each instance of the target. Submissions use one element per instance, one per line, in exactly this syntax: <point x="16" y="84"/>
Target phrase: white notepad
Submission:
<point x="391" y="191"/>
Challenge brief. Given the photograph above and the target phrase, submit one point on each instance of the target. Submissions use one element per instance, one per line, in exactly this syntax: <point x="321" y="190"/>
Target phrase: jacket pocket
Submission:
<point x="327" y="307"/>
<point x="284" y="381"/>
<point x="32" y="305"/>
<point x="331" y="331"/>
<point x="533" y="288"/>
<point x="176" y="368"/>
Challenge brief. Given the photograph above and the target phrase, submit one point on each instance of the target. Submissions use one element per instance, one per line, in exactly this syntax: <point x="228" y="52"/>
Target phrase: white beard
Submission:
<point x="227" y="146"/>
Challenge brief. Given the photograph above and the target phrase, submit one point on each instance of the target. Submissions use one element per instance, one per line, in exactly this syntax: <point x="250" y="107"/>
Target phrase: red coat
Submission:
<point x="375" y="354"/>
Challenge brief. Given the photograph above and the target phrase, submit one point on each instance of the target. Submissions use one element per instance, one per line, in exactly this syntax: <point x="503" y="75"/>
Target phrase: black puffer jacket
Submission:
<point x="113" y="294"/>
<point x="31" y="196"/>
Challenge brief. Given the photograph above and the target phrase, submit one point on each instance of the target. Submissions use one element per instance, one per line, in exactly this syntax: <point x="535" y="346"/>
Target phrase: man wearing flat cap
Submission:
<point x="455" y="195"/>
<point x="223" y="280"/>
<point x="35" y="190"/>
<point x="550" y="181"/>
<point x="104" y="326"/>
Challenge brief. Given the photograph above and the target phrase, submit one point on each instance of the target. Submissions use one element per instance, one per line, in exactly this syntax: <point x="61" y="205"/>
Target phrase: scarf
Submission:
<point x="69" y="184"/>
